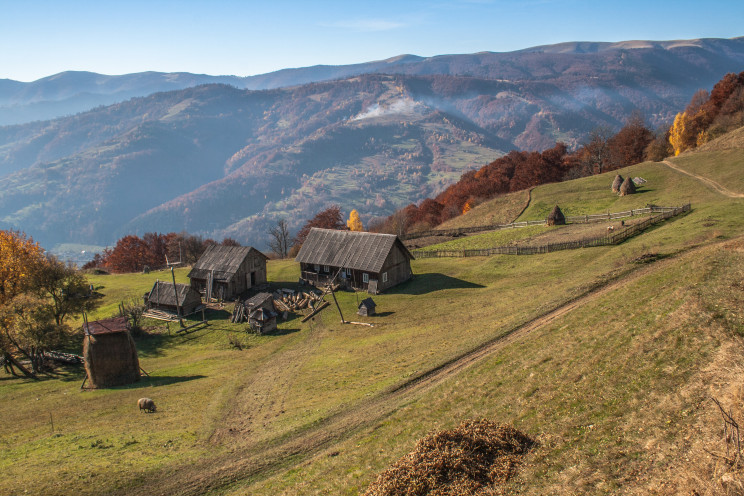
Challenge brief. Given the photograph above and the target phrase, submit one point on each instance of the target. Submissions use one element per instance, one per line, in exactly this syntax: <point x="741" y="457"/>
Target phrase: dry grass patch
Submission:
<point x="471" y="459"/>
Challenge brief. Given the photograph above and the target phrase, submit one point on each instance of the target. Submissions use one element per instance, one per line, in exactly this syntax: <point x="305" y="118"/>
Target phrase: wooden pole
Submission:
<point x="175" y="291"/>
<point x="333" y="293"/>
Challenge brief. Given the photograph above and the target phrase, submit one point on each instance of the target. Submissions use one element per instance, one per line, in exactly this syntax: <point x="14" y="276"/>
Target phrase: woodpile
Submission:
<point x="471" y="459"/>
<point x="240" y="313"/>
<point x="284" y="302"/>
<point x="154" y="313"/>
<point x="288" y="300"/>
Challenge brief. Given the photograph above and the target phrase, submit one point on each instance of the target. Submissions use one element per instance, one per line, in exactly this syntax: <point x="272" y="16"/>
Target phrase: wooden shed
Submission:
<point x="367" y="307"/>
<point x="110" y="354"/>
<point x="262" y="320"/>
<point x="366" y="261"/>
<point x="228" y="271"/>
<point x="162" y="296"/>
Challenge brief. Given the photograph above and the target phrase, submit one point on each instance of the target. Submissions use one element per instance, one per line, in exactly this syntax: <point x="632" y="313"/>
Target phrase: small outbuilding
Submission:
<point x="110" y="354"/>
<point x="367" y="261"/>
<point x="367" y="307"/>
<point x="262" y="320"/>
<point x="227" y="271"/>
<point x="556" y="217"/>
<point x="618" y="181"/>
<point x="162" y="297"/>
<point x="261" y="300"/>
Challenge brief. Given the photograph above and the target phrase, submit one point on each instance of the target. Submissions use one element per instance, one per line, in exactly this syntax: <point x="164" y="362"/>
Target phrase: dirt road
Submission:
<point x="708" y="182"/>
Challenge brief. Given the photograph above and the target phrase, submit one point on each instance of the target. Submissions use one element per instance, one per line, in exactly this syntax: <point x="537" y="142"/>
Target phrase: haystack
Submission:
<point x="628" y="187"/>
<point x="556" y="217"/>
<point x="617" y="183"/>
<point x="110" y="354"/>
<point x="470" y="459"/>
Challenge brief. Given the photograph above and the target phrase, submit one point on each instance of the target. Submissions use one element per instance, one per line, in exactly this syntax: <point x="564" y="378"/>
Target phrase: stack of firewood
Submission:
<point x="288" y="300"/>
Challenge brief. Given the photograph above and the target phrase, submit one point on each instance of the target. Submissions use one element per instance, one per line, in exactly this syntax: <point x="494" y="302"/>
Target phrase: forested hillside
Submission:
<point x="226" y="162"/>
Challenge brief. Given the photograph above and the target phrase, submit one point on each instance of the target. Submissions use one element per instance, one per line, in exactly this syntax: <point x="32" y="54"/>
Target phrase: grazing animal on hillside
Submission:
<point x="610" y="228"/>
<point x="146" y="404"/>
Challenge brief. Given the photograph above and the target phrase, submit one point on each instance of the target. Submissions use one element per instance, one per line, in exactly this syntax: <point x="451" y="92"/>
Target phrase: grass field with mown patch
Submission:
<point x="612" y="388"/>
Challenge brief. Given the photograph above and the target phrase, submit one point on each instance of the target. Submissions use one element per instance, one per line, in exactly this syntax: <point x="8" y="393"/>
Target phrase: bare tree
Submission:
<point x="597" y="150"/>
<point x="280" y="238"/>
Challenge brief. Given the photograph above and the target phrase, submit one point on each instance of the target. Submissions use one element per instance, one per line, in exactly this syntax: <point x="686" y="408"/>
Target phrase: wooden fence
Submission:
<point x="574" y="219"/>
<point x="662" y="213"/>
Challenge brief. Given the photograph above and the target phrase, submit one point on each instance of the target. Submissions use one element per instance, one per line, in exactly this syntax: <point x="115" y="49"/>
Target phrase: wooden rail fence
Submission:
<point x="661" y="214"/>
<point x="573" y="219"/>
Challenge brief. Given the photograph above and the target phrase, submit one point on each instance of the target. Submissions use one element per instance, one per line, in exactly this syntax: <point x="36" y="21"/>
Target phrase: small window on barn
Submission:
<point x="365" y="277"/>
<point x="317" y="268"/>
<point x="348" y="272"/>
<point x="326" y="269"/>
<point x="384" y="277"/>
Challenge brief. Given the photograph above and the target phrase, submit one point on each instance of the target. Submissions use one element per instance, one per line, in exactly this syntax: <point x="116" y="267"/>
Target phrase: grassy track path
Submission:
<point x="268" y="457"/>
<point x="708" y="182"/>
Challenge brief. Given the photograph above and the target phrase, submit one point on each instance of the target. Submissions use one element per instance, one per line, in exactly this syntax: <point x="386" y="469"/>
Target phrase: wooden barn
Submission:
<point x="366" y="261"/>
<point x="228" y="271"/>
<point x="162" y="296"/>
<point x="109" y="352"/>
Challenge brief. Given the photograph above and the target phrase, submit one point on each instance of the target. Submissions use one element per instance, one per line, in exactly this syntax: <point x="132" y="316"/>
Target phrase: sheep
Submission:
<point x="610" y="228"/>
<point x="146" y="404"/>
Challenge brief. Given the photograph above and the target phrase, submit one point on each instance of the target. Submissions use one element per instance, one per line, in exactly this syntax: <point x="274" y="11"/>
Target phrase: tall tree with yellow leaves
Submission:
<point x="354" y="223"/>
<point x="678" y="133"/>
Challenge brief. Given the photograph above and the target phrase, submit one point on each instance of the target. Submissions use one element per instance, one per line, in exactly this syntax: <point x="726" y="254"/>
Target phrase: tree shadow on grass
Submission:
<point x="282" y="332"/>
<point x="382" y="314"/>
<point x="160" y="380"/>
<point x="430" y="282"/>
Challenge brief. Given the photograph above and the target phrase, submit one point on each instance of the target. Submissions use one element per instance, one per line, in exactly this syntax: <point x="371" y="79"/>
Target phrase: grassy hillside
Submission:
<point x="606" y="355"/>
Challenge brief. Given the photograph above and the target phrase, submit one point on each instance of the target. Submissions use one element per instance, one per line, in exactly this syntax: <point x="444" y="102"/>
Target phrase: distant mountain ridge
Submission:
<point x="218" y="160"/>
<point x="71" y="92"/>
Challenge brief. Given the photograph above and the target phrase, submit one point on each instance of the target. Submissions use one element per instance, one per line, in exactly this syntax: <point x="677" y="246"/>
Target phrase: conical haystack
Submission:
<point x="110" y="354"/>
<point x="617" y="183"/>
<point x="556" y="217"/>
<point x="628" y="187"/>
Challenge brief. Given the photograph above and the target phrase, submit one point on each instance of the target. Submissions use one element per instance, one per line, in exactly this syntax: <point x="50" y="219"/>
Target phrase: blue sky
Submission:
<point x="39" y="37"/>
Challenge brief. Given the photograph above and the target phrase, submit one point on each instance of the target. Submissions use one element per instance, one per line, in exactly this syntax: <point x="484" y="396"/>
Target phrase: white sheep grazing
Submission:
<point x="146" y="404"/>
<point x="610" y="228"/>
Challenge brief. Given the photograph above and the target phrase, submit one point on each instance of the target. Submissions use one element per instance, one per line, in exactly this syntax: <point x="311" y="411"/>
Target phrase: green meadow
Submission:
<point x="626" y="345"/>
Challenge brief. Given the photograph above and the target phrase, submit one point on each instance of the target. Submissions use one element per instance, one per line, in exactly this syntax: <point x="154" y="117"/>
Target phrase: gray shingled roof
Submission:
<point x="223" y="260"/>
<point x="162" y="293"/>
<point x="258" y="300"/>
<point x="349" y="249"/>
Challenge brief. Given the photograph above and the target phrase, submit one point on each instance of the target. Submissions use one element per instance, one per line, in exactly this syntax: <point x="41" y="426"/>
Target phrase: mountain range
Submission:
<point x="227" y="156"/>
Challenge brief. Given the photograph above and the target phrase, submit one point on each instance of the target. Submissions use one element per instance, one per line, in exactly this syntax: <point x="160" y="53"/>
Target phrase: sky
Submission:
<point x="39" y="38"/>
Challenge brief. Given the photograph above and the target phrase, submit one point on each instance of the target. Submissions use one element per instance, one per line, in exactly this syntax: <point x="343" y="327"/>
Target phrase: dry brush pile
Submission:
<point x="474" y="458"/>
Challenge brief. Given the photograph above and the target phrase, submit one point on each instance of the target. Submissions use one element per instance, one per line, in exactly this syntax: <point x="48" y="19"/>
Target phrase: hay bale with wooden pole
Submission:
<point x="110" y="354"/>
<point x="556" y="217"/>
<point x="617" y="183"/>
<point x="473" y="458"/>
<point x="628" y="187"/>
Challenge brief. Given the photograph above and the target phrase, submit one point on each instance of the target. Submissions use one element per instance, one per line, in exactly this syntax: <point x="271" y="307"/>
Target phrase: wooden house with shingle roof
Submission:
<point x="162" y="296"/>
<point x="367" y="261"/>
<point x="228" y="271"/>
